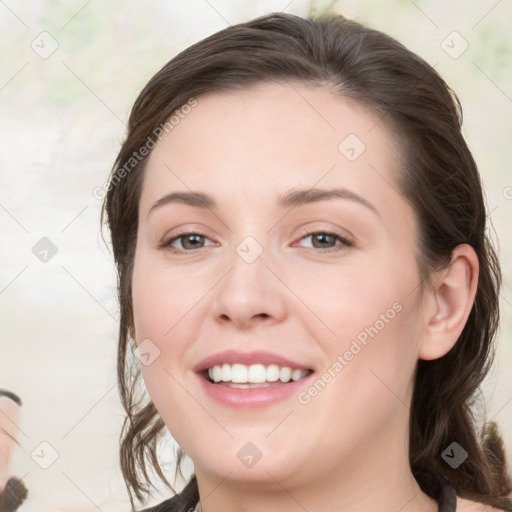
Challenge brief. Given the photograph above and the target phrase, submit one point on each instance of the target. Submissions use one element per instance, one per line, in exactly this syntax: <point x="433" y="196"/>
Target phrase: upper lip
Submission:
<point x="247" y="358"/>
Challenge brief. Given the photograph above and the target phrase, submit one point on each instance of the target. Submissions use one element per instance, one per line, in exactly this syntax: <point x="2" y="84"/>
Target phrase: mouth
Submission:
<point x="241" y="376"/>
<point x="239" y="379"/>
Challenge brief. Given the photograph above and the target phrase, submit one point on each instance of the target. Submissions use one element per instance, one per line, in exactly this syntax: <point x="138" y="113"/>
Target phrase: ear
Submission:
<point x="449" y="303"/>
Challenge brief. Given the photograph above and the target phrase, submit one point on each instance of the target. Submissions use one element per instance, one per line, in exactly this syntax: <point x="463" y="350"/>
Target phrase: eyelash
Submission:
<point x="166" y="244"/>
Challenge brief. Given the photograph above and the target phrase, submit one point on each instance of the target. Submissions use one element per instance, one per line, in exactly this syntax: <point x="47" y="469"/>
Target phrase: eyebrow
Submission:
<point x="292" y="199"/>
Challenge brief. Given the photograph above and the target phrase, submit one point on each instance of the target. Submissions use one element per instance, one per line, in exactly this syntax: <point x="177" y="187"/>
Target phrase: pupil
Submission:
<point x="189" y="238"/>
<point x="322" y="238"/>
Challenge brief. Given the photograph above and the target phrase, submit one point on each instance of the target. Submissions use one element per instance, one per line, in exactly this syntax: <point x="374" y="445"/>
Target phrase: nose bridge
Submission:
<point x="249" y="277"/>
<point x="249" y="289"/>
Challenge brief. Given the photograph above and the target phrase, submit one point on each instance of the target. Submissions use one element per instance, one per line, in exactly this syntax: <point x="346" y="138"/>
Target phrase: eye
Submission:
<point x="188" y="241"/>
<point x="326" y="240"/>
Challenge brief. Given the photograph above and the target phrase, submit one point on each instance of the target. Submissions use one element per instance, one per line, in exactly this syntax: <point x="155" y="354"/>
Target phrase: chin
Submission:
<point x="252" y="463"/>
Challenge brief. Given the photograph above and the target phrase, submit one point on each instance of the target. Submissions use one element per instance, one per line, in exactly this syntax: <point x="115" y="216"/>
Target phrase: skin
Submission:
<point x="347" y="449"/>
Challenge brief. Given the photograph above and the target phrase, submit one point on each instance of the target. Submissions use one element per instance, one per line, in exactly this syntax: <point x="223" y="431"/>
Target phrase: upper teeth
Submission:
<point x="255" y="373"/>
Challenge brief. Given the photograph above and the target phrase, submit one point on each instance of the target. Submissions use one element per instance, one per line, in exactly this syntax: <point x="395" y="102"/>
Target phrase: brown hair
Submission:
<point x="439" y="178"/>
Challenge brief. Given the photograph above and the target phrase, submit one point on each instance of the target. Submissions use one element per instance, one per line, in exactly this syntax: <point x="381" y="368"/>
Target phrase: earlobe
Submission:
<point x="452" y="297"/>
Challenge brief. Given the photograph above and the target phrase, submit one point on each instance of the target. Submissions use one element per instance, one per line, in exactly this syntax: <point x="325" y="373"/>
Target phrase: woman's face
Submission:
<point x="262" y="286"/>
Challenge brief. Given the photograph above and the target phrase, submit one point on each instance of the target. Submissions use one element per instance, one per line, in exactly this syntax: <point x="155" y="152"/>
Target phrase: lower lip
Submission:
<point x="253" y="397"/>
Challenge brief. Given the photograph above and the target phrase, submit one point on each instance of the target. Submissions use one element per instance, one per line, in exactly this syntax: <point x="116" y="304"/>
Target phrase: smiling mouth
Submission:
<point x="253" y="376"/>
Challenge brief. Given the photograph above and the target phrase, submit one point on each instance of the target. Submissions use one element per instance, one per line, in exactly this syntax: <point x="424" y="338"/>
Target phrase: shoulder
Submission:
<point x="464" y="505"/>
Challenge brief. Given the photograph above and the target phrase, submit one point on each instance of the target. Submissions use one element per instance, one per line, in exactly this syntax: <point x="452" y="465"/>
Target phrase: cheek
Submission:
<point x="369" y="369"/>
<point x="371" y="322"/>
<point x="349" y="299"/>
<point x="167" y="306"/>
<point x="157" y="311"/>
<point x="162" y="300"/>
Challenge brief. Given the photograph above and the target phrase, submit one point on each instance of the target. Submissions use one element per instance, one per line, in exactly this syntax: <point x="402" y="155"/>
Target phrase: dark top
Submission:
<point x="435" y="486"/>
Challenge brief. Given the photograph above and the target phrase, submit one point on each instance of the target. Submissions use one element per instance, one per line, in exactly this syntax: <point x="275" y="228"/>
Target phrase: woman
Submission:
<point x="299" y="232"/>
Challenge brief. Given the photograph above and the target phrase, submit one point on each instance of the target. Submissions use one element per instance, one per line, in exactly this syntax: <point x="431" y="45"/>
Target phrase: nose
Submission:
<point x="250" y="293"/>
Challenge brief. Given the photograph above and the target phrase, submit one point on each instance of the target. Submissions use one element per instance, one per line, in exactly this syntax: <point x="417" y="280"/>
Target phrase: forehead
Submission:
<point x="271" y="137"/>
